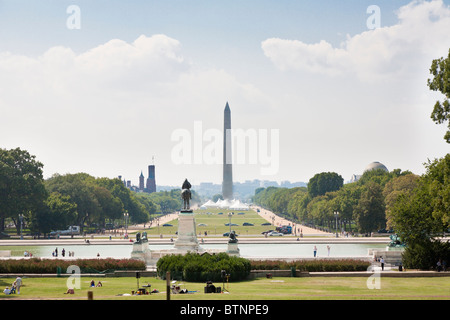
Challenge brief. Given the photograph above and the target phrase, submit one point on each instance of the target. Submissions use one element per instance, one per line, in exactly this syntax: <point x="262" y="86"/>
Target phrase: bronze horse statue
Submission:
<point x="186" y="194"/>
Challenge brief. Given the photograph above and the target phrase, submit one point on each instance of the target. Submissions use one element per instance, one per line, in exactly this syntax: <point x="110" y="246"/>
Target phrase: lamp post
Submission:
<point x="229" y="219"/>
<point x="336" y="214"/>
<point x="126" y="223"/>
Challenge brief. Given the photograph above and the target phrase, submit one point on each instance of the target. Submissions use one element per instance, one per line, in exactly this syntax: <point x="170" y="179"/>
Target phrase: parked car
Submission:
<point x="247" y="224"/>
<point x="266" y="224"/>
<point x="274" y="234"/>
<point x="167" y="225"/>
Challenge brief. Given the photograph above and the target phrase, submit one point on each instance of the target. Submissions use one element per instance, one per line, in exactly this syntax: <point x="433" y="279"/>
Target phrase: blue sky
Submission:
<point x="340" y="95"/>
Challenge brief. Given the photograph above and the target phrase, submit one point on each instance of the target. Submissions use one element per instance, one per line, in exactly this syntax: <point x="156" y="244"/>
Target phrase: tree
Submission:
<point x="57" y="212"/>
<point x="394" y="188"/>
<point x="22" y="189"/>
<point x="324" y="182"/>
<point x="347" y="199"/>
<point x="370" y="210"/>
<point x="440" y="69"/>
<point x="421" y="216"/>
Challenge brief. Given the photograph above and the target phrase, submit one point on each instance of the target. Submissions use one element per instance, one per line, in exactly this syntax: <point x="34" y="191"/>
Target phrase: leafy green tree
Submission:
<point x="440" y="69"/>
<point x="421" y="216"/>
<point x="297" y="207"/>
<point x="324" y="182"/>
<point x="58" y="212"/>
<point x="369" y="213"/>
<point x="394" y="188"/>
<point x="347" y="199"/>
<point x="22" y="190"/>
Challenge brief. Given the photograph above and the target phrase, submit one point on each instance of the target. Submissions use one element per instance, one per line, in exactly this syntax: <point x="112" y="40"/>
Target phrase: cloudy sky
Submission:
<point x="104" y="87"/>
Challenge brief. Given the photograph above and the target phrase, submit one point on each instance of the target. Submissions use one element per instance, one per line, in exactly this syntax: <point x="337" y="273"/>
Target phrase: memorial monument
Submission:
<point x="227" y="182"/>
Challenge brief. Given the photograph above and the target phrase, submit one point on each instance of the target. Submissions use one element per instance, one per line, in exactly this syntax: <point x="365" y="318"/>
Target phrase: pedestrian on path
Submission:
<point x="315" y="251"/>
<point x="18" y="283"/>
<point x="382" y="263"/>
<point x="328" y="248"/>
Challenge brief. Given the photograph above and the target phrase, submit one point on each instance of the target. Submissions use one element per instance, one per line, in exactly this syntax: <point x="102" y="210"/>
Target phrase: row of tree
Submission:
<point x="71" y="199"/>
<point x="416" y="207"/>
<point x="361" y="204"/>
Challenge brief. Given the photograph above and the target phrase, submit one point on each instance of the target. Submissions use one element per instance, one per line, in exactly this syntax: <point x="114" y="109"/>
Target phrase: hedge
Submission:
<point x="37" y="265"/>
<point x="201" y="268"/>
<point x="312" y="265"/>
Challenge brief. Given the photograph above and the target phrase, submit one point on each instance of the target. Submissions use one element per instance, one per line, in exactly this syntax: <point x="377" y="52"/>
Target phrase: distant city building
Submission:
<point x="242" y="190"/>
<point x="151" y="181"/>
<point x="141" y="182"/>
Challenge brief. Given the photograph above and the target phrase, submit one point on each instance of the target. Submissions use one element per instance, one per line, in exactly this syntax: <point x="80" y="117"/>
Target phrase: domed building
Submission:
<point x="376" y="165"/>
<point x="371" y="166"/>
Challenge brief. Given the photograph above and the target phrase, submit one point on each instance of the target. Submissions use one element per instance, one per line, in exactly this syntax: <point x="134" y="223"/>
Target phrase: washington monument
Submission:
<point x="227" y="183"/>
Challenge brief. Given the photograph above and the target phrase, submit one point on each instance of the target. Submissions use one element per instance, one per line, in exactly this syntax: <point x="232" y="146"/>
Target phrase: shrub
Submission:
<point x="312" y="265"/>
<point x="197" y="268"/>
<point x="425" y="254"/>
<point x="37" y="265"/>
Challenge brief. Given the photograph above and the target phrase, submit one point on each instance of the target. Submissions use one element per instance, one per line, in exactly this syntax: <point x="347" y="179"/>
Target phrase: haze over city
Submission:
<point x="102" y="86"/>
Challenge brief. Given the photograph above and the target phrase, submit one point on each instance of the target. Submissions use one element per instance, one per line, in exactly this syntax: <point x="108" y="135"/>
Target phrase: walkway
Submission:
<point x="279" y="221"/>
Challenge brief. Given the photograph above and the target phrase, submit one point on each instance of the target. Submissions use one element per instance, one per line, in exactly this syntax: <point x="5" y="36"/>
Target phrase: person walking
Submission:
<point x="382" y="263"/>
<point x="18" y="283"/>
<point x="315" y="251"/>
<point x="328" y="248"/>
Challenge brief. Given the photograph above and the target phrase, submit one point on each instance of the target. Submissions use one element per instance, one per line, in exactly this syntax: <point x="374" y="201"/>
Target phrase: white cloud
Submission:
<point x="108" y="110"/>
<point x="421" y="33"/>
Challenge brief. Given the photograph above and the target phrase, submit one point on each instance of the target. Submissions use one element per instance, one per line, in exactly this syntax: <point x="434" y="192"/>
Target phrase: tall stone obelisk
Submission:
<point x="227" y="182"/>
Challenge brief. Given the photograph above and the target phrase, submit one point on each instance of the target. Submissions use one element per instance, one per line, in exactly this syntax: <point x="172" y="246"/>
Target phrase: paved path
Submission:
<point x="279" y="221"/>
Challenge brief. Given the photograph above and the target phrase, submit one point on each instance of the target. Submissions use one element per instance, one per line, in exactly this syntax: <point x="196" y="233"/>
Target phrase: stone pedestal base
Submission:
<point x="233" y="249"/>
<point x="187" y="235"/>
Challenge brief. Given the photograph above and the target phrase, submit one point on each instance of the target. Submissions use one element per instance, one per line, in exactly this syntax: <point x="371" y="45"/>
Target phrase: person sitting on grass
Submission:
<point x="7" y="291"/>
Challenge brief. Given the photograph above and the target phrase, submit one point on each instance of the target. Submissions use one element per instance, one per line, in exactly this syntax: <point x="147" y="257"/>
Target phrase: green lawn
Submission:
<point x="215" y="223"/>
<point x="302" y="288"/>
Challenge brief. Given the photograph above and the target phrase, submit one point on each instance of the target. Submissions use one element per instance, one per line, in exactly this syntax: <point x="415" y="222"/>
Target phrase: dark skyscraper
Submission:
<point x="151" y="182"/>
<point x="141" y="182"/>
<point x="227" y="183"/>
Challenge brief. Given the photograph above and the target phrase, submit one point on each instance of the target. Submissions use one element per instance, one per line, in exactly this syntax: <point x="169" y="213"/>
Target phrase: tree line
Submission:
<point x="72" y="199"/>
<point x="360" y="206"/>
<point x="416" y="208"/>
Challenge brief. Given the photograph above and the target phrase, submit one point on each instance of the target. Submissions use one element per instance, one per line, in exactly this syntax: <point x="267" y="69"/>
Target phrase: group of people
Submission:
<point x="63" y="253"/>
<point x="15" y="288"/>
<point x="316" y="251"/>
<point x="99" y="284"/>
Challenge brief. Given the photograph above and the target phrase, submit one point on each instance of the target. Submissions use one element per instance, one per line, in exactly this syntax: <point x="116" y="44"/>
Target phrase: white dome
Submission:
<point x="376" y="165"/>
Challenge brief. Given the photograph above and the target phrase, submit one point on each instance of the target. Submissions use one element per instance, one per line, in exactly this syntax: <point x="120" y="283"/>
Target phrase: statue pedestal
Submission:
<point x="140" y="251"/>
<point x="187" y="235"/>
<point x="233" y="249"/>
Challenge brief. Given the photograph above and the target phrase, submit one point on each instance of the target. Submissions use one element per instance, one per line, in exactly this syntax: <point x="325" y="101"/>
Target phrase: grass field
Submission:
<point x="301" y="288"/>
<point x="213" y="222"/>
